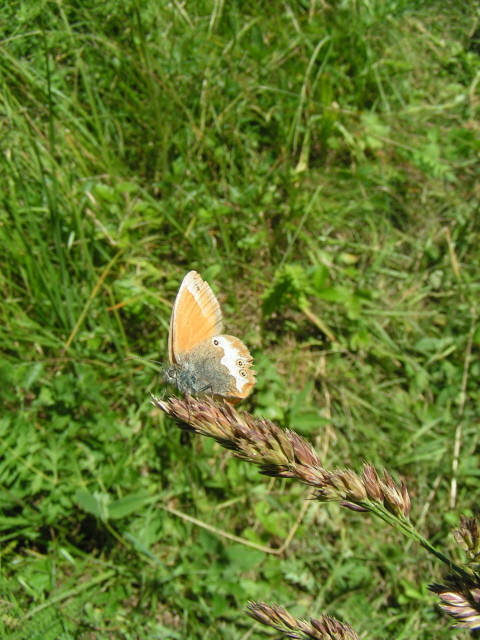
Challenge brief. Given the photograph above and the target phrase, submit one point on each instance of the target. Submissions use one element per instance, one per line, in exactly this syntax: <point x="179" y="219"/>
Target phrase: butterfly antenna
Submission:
<point x="145" y="359"/>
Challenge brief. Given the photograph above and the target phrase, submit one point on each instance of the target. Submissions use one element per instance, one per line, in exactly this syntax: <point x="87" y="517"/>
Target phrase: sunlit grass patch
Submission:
<point x="318" y="165"/>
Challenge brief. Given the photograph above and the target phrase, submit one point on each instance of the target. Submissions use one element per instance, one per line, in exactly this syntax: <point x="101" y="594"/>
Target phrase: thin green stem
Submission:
<point x="407" y="528"/>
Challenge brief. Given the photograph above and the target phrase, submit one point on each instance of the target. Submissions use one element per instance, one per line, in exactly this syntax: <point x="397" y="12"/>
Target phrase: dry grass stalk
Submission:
<point x="285" y="454"/>
<point x="326" y="628"/>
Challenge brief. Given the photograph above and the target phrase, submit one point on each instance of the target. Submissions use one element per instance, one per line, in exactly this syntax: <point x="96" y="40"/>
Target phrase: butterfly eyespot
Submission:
<point x="243" y="373"/>
<point x="240" y="364"/>
<point x="216" y="342"/>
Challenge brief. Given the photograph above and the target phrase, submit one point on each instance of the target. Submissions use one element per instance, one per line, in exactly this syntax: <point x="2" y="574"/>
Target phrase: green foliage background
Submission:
<point x="318" y="163"/>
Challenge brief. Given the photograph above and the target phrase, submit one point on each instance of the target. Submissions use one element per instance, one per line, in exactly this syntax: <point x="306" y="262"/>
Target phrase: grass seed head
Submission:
<point x="326" y="628"/>
<point x="467" y="536"/>
<point x="461" y="600"/>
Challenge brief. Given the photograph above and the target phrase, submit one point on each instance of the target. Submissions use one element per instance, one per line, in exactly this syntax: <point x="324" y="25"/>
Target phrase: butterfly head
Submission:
<point x="185" y="379"/>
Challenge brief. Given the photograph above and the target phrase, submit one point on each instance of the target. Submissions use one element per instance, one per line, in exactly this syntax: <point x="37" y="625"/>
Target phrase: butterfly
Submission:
<point x="202" y="359"/>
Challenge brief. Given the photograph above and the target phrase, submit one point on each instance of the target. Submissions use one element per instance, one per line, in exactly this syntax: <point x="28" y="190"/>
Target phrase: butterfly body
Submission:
<point x="202" y="359"/>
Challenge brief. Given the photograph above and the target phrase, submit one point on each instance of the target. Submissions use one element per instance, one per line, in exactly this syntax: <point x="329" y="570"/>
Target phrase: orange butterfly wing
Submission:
<point x="196" y="316"/>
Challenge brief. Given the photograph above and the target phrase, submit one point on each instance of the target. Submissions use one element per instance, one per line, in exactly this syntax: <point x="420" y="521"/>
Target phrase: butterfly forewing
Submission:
<point x="196" y="316"/>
